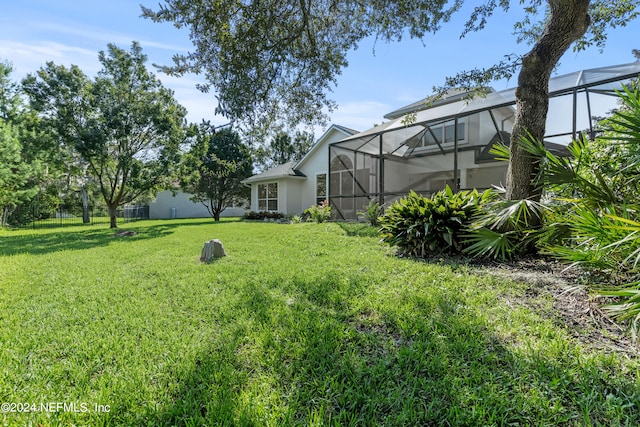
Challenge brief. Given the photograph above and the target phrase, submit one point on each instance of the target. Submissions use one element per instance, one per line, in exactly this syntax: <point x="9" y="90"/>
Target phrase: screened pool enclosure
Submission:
<point x="448" y="141"/>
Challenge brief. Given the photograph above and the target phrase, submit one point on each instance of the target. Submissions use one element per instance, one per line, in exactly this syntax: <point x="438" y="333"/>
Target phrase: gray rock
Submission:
<point x="212" y="249"/>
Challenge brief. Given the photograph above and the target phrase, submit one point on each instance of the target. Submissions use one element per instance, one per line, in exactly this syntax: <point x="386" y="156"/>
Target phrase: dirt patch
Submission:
<point x="573" y="306"/>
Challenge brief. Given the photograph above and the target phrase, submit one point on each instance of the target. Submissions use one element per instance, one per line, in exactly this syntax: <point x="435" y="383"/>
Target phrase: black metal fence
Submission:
<point x="34" y="216"/>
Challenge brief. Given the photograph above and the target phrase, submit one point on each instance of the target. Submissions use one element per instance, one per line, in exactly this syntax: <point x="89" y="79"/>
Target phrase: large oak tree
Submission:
<point x="273" y="59"/>
<point x="124" y="124"/>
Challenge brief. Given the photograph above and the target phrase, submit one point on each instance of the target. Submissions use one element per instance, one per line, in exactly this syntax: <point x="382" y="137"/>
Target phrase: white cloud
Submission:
<point x="28" y="57"/>
<point x="105" y="36"/>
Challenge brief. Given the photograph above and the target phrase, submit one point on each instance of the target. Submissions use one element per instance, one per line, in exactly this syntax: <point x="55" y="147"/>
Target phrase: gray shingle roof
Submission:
<point x="285" y="170"/>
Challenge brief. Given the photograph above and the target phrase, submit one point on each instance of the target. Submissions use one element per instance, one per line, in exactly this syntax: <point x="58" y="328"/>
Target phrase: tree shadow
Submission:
<point x="434" y="361"/>
<point x="49" y="241"/>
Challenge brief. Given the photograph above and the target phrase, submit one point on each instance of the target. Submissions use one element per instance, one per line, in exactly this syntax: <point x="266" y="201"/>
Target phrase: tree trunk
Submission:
<point x="217" y="209"/>
<point x="568" y="20"/>
<point x="4" y="215"/>
<point x="85" y="206"/>
<point x="113" y="215"/>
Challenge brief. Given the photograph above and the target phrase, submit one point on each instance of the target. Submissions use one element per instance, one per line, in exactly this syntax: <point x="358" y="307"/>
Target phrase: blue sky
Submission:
<point x="67" y="32"/>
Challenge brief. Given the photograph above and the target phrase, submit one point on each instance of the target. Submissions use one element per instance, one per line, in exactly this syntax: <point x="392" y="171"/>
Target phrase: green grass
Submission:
<point x="301" y="324"/>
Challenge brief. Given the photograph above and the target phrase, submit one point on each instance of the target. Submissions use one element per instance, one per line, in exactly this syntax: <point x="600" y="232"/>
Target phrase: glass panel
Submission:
<point x="341" y="163"/>
<point x="262" y="191"/>
<point x="321" y="185"/>
<point x="347" y="208"/>
<point x="262" y="205"/>
<point x="433" y="136"/>
<point x="273" y="205"/>
<point x="273" y="190"/>
<point x="362" y="181"/>
<point x="449" y="133"/>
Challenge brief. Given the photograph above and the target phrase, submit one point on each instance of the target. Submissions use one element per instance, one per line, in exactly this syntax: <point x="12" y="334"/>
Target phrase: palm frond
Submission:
<point x="626" y="307"/>
<point x="485" y="242"/>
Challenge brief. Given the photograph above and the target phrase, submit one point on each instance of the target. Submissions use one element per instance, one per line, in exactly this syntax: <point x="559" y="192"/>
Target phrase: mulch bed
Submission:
<point x="574" y="308"/>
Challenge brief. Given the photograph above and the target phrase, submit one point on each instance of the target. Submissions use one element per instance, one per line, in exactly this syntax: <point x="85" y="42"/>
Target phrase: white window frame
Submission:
<point x="269" y="198"/>
<point x="427" y="143"/>
<point x="321" y="197"/>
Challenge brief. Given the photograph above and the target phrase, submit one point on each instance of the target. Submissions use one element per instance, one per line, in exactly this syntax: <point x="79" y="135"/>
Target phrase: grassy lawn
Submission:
<point x="301" y="324"/>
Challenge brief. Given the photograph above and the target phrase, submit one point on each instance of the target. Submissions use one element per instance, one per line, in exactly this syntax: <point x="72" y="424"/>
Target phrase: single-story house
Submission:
<point x="293" y="187"/>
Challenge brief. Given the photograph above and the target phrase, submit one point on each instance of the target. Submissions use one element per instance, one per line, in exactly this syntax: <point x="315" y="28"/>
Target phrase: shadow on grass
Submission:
<point x="43" y="241"/>
<point x="359" y="229"/>
<point x="48" y="241"/>
<point x="425" y="359"/>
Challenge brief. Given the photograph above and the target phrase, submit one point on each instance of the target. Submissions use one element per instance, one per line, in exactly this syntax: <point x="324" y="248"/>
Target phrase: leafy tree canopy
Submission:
<point x="280" y="59"/>
<point x="214" y="167"/>
<point x="124" y="124"/>
<point x="283" y="148"/>
<point x="16" y="175"/>
<point x="9" y="93"/>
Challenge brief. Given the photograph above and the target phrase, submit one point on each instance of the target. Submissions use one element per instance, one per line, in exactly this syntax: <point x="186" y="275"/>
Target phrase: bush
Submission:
<point x="421" y="226"/>
<point x="261" y="216"/>
<point x="372" y="213"/>
<point x="506" y="228"/>
<point x="596" y="214"/>
<point x="319" y="213"/>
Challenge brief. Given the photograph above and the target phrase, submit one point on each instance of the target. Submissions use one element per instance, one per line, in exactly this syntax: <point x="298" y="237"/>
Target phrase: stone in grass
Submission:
<point x="212" y="249"/>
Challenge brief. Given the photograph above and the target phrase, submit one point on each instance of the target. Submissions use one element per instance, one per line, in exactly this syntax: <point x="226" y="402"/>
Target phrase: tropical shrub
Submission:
<point x="319" y="213"/>
<point x="372" y="213"/>
<point x="596" y="190"/>
<point x="504" y="229"/>
<point x="420" y="226"/>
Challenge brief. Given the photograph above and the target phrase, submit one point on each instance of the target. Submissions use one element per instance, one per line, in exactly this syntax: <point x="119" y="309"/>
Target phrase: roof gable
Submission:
<point x="334" y="134"/>
<point x="286" y="170"/>
<point x="292" y="169"/>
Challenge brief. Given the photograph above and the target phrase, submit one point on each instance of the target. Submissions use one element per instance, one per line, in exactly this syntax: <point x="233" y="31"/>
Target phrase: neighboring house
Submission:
<point x="168" y="205"/>
<point x="431" y="143"/>
<point x="293" y="187"/>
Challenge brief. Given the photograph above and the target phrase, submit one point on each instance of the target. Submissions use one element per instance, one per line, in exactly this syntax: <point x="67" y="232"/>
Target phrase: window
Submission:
<point x="443" y="134"/>
<point x="321" y="188"/>
<point x="449" y="132"/>
<point x="268" y="197"/>
<point x="341" y="175"/>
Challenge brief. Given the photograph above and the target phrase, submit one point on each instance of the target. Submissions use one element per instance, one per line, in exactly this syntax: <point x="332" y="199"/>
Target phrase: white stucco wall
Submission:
<point x="162" y="207"/>
<point x="317" y="162"/>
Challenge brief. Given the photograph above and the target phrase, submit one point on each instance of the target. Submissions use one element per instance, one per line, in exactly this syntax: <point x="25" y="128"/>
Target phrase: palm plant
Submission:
<point x="419" y="226"/>
<point x="372" y="212"/>
<point x="600" y="183"/>
<point x="505" y="228"/>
